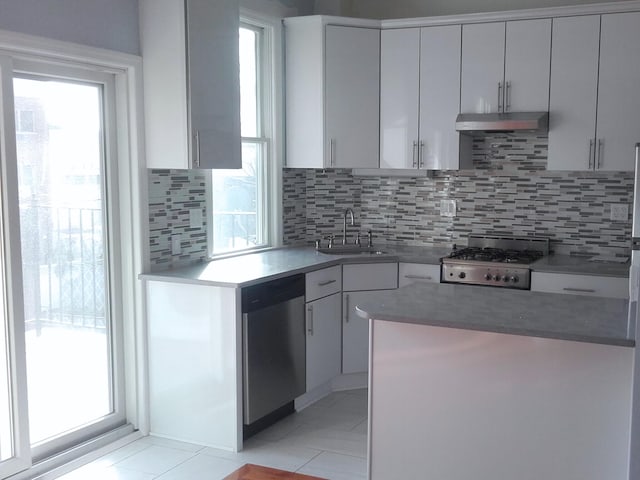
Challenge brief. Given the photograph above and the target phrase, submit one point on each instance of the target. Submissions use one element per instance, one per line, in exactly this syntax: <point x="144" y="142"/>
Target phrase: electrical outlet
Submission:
<point x="195" y="218"/>
<point x="176" y="248"/>
<point x="619" y="212"/>
<point x="448" y="208"/>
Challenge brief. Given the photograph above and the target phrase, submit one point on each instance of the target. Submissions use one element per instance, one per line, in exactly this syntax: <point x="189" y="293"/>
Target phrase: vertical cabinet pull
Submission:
<point x="196" y="160"/>
<point x="415" y="150"/>
<point x="421" y="155"/>
<point x="590" y="152"/>
<point x="499" y="97"/>
<point x="507" y="96"/>
<point x="346" y="308"/>
<point x="600" y="144"/>
<point x="332" y="152"/>
<point x="310" y="320"/>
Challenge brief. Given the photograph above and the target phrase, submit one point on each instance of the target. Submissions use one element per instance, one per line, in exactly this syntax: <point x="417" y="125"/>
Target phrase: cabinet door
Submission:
<point x="573" y="92"/>
<point x="618" y="97"/>
<point x="323" y="340"/>
<point x="399" y="85"/>
<point x="352" y="96"/>
<point x="526" y="64"/>
<point x="482" y="67"/>
<point x="439" y="97"/>
<point x="590" y="285"/>
<point x="214" y="83"/>
<point x="355" y="333"/>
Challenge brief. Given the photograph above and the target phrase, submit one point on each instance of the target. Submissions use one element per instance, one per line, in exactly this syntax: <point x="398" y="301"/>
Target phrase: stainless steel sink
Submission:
<point x="350" y="250"/>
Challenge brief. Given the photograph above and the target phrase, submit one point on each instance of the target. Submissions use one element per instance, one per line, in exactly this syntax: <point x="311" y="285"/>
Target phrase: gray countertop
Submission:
<point x="517" y="312"/>
<point x="245" y="270"/>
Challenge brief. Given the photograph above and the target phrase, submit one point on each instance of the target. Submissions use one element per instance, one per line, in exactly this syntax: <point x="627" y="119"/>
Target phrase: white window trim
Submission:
<point x="272" y="129"/>
<point x="132" y="213"/>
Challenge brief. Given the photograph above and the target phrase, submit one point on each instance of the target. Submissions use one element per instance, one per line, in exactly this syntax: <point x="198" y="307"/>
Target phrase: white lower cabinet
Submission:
<point x="361" y="282"/>
<point x="323" y="340"/>
<point x="571" y="284"/>
<point x="409" y="273"/>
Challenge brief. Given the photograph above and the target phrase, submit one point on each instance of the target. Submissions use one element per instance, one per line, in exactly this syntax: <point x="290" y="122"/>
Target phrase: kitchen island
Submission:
<point x="483" y="383"/>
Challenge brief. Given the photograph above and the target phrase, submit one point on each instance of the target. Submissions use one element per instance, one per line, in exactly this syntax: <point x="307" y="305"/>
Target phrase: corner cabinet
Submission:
<point x="594" y="109"/>
<point x="332" y="93"/>
<point x="191" y="83"/>
<point x="505" y="66"/>
<point x="420" y="97"/>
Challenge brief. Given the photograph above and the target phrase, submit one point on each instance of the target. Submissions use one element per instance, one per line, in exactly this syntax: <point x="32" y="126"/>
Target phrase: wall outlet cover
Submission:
<point x="176" y="247"/>
<point x="619" y="212"/>
<point x="448" y="208"/>
<point x="195" y="218"/>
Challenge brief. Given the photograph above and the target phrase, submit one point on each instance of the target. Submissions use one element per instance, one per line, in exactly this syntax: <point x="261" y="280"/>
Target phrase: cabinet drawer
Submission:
<point x="593" y="285"/>
<point x="369" y="276"/>
<point x="323" y="282"/>
<point x="409" y="273"/>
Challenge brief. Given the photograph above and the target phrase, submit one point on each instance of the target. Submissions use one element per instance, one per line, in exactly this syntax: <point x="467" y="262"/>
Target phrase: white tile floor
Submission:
<point x="327" y="439"/>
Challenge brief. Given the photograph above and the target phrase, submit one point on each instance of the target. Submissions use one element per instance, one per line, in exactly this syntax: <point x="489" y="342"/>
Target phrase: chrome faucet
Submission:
<point x="348" y="211"/>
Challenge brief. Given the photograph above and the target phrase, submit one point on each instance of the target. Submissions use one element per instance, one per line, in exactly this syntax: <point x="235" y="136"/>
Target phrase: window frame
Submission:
<point x="269" y="140"/>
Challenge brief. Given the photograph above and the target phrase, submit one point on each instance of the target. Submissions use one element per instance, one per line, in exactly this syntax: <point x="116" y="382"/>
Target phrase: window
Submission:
<point x="242" y="200"/>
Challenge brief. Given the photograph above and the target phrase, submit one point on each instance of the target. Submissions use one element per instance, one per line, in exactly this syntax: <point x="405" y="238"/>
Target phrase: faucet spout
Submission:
<point x="348" y="211"/>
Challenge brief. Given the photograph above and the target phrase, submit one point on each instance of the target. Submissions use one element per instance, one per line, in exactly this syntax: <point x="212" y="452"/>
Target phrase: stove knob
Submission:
<point x="496" y="278"/>
<point x="487" y="276"/>
<point x="505" y="279"/>
<point x="514" y="279"/>
<point x="462" y="275"/>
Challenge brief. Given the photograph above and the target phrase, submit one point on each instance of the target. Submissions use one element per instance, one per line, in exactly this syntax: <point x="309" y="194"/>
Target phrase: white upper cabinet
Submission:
<point x="191" y="83"/>
<point x="420" y="97"/>
<point x="399" y="97"/>
<point x="594" y="104"/>
<point x="505" y="66"/>
<point x="332" y="94"/>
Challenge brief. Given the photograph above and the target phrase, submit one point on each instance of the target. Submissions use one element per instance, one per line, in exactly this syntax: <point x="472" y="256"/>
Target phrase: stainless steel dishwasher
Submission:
<point x="274" y="350"/>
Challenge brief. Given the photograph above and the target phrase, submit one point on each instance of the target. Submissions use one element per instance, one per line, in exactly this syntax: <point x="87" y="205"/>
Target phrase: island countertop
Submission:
<point x="509" y="311"/>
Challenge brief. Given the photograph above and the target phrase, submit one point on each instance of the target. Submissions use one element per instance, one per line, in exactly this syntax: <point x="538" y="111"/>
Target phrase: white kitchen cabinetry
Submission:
<point x="332" y="93"/>
<point x="361" y="282"/>
<point x="409" y="273"/>
<point x="594" y="58"/>
<point x="505" y="66"/>
<point x="191" y="83"/>
<point x="592" y="285"/>
<point x="323" y="325"/>
<point x="420" y="97"/>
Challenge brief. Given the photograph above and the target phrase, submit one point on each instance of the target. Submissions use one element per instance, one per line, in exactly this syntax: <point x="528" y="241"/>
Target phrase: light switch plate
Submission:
<point x="448" y="208"/>
<point x="195" y="218"/>
<point x="619" y="212"/>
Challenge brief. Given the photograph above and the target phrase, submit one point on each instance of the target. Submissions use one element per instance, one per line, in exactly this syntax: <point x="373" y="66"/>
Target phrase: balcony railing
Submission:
<point x="63" y="262"/>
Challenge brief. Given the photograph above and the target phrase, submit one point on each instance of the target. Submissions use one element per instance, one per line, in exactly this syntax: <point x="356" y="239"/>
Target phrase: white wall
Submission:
<point x="274" y="8"/>
<point x="424" y="8"/>
<point x="111" y="24"/>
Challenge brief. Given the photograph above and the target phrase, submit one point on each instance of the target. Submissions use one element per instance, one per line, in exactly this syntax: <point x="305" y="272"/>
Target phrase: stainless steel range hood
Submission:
<point x="472" y="123"/>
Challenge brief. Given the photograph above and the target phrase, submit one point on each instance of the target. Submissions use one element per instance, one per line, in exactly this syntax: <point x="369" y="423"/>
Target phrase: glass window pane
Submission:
<point x="248" y="83"/>
<point x="235" y="203"/>
<point x="60" y="173"/>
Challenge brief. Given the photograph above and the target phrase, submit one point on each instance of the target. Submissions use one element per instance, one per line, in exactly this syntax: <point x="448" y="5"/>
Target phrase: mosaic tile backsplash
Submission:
<point x="172" y="194"/>
<point x="508" y="192"/>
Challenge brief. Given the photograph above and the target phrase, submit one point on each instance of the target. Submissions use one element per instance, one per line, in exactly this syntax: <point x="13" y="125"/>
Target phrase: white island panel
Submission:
<point x="460" y="404"/>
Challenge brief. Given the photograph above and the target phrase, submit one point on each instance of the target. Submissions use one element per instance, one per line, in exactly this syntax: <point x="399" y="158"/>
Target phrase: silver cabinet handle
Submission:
<point x="332" y="152"/>
<point x="415" y="150"/>
<point x="499" y="97"/>
<point x="310" y="322"/>
<point x="507" y="96"/>
<point x="196" y="160"/>
<point x="418" y="277"/>
<point x="326" y="282"/>
<point x="346" y="308"/>
<point x="421" y="155"/>
<point x="581" y="290"/>
<point x="599" y="152"/>
<point x="591" y="152"/>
